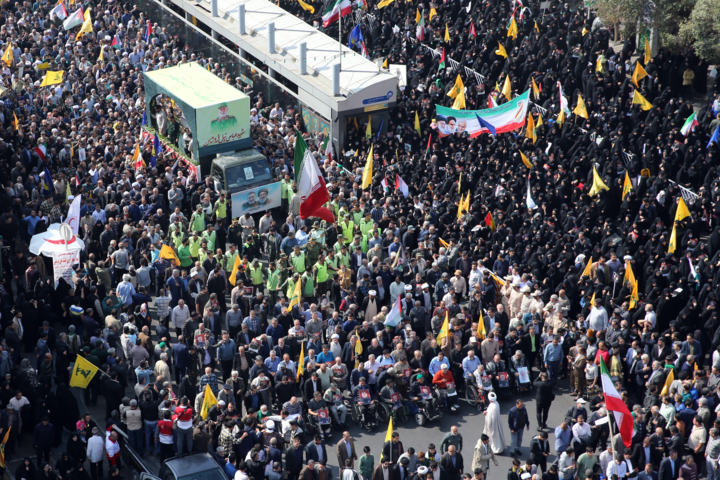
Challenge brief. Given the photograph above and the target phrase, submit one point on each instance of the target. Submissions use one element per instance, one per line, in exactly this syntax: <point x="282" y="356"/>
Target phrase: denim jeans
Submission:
<point x="150" y="434"/>
<point x="553" y="370"/>
<point x="184" y="440"/>
<point x="136" y="440"/>
<point x="516" y="439"/>
<point x="713" y="472"/>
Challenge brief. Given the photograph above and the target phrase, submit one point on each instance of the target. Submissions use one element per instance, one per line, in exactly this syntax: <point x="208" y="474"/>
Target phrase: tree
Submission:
<point x="702" y="30"/>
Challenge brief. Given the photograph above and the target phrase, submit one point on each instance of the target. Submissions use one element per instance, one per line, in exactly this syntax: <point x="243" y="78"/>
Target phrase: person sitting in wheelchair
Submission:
<point x="445" y="381"/>
<point x="518" y="361"/>
<point x="314" y="409"/>
<point x="493" y="368"/>
<point x="362" y="396"/>
<point x="390" y="395"/>
<point x="421" y="394"/>
<point x="334" y="398"/>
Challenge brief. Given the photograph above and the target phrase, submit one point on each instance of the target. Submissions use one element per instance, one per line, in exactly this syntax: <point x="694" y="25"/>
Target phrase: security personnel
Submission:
<point x="366" y="225"/>
<point x="230" y="257"/>
<point x="297" y="259"/>
<point x="313" y="251"/>
<point x="283" y="268"/>
<point x="273" y="283"/>
<point x="321" y="275"/>
<point x="255" y="271"/>
<point x="235" y="233"/>
<point x="249" y="248"/>
<point x="348" y="228"/>
<point x="308" y="286"/>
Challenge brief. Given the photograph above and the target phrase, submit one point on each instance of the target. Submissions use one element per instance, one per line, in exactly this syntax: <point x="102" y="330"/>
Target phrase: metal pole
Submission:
<point x="340" y="34"/>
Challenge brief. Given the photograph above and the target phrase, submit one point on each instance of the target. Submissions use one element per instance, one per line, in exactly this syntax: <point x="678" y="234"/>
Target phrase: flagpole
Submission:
<point x="340" y="34"/>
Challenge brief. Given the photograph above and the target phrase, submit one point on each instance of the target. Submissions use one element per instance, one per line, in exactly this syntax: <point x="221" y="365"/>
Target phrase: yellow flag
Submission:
<point x="638" y="74"/>
<point x="599" y="66"/>
<point x="672" y="244"/>
<point x="586" y="272"/>
<point x="597" y="185"/>
<point x="457" y="88"/>
<point x="501" y="50"/>
<point x="592" y="301"/>
<point x="536" y="27"/>
<point x="235" y="270"/>
<point x="358" y="349"/>
<point x="682" y="211"/>
<point x="627" y="186"/>
<point x="8" y="56"/>
<point x="301" y="360"/>
<point x="86" y="26"/>
<point x="580" y="109"/>
<point x="507" y="88"/>
<point x="539" y="122"/>
<point x="82" y="373"/>
<point x="444" y="329"/>
<point x="466" y="205"/>
<point x="459" y="102"/>
<point x="307" y="7"/>
<point x="634" y="295"/>
<point x="385" y="63"/>
<point x="295" y="300"/>
<point x="640" y="100"/>
<point x="368" y="130"/>
<point x="16" y="124"/>
<point x="67" y="190"/>
<point x="481" y="332"/>
<point x="388" y="435"/>
<point x="512" y="29"/>
<point x="368" y="172"/>
<point x="668" y="381"/>
<point x="536" y="90"/>
<point x="52" y="78"/>
<point x="417" y="123"/>
<point x="417" y="15"/>
<point x="648" y="51"/>
<point x="447" y="34"/>
<point x="432" y="13"/>
<point x="168" y="253"/>
<point x="530" y="130"/>
<point x="208" y="402"/>
<point x="461" y="206"/>
<point x="460" y="183"/>
<point x="584" y="31"/>
<point x="561" y="117"/>
<point x="443" y="243"/>
<point x="101" y="57"/>
<point x="86" y="15"/>
<point x="525" y="160"/>
<point x="629" y="275"/>
<point x="384" y="3"/>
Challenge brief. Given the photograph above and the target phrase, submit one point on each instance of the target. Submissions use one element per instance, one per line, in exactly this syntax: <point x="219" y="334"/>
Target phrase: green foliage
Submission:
<point x="702" y="30"/>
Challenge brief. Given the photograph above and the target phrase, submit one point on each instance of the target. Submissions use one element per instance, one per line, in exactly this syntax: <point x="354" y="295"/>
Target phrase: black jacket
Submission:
<point x="544" y="392"/>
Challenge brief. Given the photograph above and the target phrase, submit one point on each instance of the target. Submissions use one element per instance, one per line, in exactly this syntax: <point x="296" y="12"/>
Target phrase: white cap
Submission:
<point x="270" y="425"/>
<point x="372" y="293"/>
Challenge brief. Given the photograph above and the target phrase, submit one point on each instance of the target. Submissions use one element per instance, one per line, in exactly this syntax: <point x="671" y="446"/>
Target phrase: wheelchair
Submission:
<point x="476" y="396"/>
<point x="427" y="410"/>
<point x="313" y="425"/>
<point x="386" y="411"/>
<point x="354" y="412"/>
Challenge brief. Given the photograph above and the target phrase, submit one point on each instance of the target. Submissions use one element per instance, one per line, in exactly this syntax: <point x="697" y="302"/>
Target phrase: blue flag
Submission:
<point x="144" y="119"/>
<point x="715" y="137"/>
<point x="156" y="149"/>
<point x="485" y="124"/>
<point x="377" y="137"/>
<point x="47" y="189"/>
<point x="356" y="37"/>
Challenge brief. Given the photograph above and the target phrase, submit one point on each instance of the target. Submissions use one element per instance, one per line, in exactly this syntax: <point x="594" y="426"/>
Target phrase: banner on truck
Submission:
<point x="256" y="199"/>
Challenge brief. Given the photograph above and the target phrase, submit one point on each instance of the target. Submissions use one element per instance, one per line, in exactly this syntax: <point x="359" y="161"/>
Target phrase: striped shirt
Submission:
<point x="163" y="306"/>
<point x="209" y="380"/>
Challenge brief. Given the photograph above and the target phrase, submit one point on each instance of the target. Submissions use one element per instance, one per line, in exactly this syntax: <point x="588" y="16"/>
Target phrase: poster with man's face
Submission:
<point x="256" y="199"/>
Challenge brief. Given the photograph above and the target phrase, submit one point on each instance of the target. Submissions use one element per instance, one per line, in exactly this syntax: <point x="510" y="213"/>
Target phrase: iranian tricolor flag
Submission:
<point x="327" y="148"/>
<point x="689" y="124"/>
<point x="335" y="10"/>
<point x="420" y="30"/>
<point x="613" y="403"/>
<point x="41" y="151"/>
<point x="311" y="185"/>
<point x="394" y="315"/>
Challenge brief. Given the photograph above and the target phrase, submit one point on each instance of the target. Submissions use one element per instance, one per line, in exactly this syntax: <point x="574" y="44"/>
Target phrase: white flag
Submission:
<point x="529" y="201"/>
<point x="73" y="218"/>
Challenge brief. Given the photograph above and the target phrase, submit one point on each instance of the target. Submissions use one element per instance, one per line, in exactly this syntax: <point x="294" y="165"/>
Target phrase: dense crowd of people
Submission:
<point x="533" y="277"/>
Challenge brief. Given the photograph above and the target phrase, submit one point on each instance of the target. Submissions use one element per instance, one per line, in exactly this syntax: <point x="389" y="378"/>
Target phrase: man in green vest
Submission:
<point x="230" y="257"/>
<point x="197" y="220"/>
<point x="210" y="237"/>
<point x="184" y="253"/>
<point x="273" y="283"/>
<point x="308" y="286"/>
<point x="220" y="207"/>
<point x="321" y="275"/>
<point x="285" y="185"/>
<point x="366" y="225"/>
<point x="348" y="228"/>
<point x="297" y="260"/>
<point x="195" y="244"/>
<point x="255" y="271"/>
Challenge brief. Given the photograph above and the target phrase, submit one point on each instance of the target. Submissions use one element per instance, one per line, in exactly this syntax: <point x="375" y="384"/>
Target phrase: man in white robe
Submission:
<point x="493" y="425"/>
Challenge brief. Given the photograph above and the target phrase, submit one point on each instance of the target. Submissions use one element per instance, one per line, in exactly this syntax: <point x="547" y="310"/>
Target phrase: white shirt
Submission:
<point x="580" y="430"/>
<point x="111" y="447"/>
<point x="619" y="470"/>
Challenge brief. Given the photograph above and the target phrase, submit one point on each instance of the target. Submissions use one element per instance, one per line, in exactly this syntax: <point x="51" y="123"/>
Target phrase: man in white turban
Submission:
<point x="493" y="425"/>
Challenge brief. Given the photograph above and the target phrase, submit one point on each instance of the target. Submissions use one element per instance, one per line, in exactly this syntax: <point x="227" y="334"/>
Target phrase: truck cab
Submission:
<point x="239" y="171"/>
<point x="198" y="466"/>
